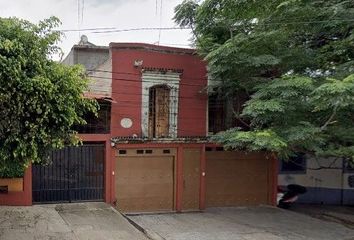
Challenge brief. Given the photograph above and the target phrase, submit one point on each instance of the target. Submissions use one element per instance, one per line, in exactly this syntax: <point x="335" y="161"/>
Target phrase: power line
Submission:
<point x="129" y="104"/>
<point x="85" y="29"/>
<point x="142" y="29"/>
<point x="147" y="81"/>
<point x="177" y="44"/>
<point x="140" y="75"/>
<point x="203" y="98"/>
<point x="132" y="73"/>
<point x="82" y="11"/>
<point x="132" y="106"/>
<point x="191" y="134"/>
<point x="147" y="95"/>
<point x="135" y="102"/>
<point x="115" y="30"/>
<point x="78" y="17"/>
<point x="139" y="108"/>
<point x="201" y="86"/>
<point x="156" y="7"/>
<point x="307" y="22"/>
<point x="160" y="22"/>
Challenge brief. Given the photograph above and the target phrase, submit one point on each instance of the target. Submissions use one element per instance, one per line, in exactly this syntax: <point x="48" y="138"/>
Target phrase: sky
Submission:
<point x="119" y="14"/>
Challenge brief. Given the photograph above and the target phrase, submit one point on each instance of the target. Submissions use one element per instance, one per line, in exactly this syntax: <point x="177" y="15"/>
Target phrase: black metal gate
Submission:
<point x="75" y="174"/>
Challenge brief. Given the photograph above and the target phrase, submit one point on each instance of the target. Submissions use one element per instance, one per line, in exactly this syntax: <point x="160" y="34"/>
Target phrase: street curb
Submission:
<point x="147" y="232"/>
<point x="152" y="235"/>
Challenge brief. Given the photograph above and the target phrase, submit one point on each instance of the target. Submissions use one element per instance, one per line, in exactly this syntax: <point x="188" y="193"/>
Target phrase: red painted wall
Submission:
<point x="23" y="198"/>
<point x="126" y="92"/>
<point x="126" y="86"/>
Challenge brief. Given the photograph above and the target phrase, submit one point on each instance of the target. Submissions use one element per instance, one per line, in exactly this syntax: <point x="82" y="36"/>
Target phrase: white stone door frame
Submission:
<point x="156" y="78"/>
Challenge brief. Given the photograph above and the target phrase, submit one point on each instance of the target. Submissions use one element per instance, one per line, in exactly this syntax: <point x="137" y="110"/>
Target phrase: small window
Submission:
<point x="4" y="189"/>
<point x="140" y="151"/>
<point x="96" y="124"/>
<point x="148" y="151"/>
<point x="166" y="151"/>
<point x="295" y="164"/>
<point x="219" y="149"/>
<point x="348" y="166"/>
<point x="351" y="181"/>
<point x="208" y="149"/>
<point x="122" y="151"/>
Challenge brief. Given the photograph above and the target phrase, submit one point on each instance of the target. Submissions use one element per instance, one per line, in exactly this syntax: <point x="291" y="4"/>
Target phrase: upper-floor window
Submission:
<point x="160" y="100"/>
<point x="159" y="111"/>
<point x="223" y="111"/>
<point x="97" y="124"/>
<point x="348" y="166"/>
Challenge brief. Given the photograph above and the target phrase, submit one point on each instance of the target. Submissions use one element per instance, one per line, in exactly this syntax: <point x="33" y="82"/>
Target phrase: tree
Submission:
<point x="295" y="59"/>
<point x="40" y="99"/>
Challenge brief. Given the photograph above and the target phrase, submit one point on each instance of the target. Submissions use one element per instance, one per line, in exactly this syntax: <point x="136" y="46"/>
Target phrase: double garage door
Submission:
<point x="146" y="179"/>
<point x="73" y="174"/>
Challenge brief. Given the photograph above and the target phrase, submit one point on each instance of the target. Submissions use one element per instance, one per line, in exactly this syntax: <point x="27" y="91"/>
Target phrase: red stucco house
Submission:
<point x="148" y="150"/>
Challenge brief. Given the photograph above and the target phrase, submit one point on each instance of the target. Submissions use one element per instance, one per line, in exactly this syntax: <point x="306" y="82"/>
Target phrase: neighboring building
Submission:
<point x="82" y="173"/>
<point x="328" y="181"/>
<point x="98" y="64"/>
<point x="148" y="150"/>
<point x="87" y="54"/>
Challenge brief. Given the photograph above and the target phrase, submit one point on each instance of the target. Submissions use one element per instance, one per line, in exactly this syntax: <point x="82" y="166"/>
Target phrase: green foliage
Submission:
<point x="40" y="100"/>
<point x="185" y="13"/>
<point x="307" y="116"/>
<point x="251" y="140"/>
<point x="295" y="59"/>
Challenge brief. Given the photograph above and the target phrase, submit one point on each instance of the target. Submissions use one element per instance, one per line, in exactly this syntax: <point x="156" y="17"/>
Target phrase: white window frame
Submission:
<point x="156" y="78"/>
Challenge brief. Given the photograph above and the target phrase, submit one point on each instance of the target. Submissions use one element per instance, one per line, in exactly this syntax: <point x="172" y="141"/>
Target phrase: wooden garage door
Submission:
<point x="145" y="183"/>
<point x="191" y="179"/>
<point x="236" y="179"/>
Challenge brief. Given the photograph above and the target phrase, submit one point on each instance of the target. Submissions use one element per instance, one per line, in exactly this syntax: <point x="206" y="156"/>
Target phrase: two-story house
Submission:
<point x="148" y="150"/>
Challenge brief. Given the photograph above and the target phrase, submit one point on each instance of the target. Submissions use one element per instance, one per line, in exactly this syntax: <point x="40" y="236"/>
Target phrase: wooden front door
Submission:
<point x="159" y="111"/>
<point x="191" y="179"/>
<point x="162" y="111"/>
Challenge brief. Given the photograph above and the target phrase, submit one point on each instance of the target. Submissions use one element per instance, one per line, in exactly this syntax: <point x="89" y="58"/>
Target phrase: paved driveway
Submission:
<point x="261" y="223"/>
<point x="83" y="221"/>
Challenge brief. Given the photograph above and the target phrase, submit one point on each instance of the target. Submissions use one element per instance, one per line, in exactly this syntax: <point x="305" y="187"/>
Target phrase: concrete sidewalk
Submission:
<point x="257" y="223"/>
<point x="84" y="221"/>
